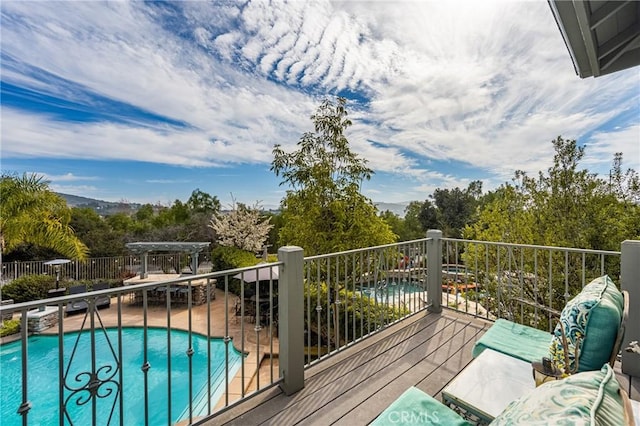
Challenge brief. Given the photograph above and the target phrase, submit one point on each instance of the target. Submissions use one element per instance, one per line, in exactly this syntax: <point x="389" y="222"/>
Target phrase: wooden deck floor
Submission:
<point x="356" y="385"/>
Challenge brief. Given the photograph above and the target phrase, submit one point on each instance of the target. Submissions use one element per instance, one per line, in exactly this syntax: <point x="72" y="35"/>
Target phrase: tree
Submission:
<point x="202" y="202"/>
<point x="428" y="216"/>
<point x="456" y="207"/>
<point x="324" y="210"/>
<point x="30" y="213"/>
<point x="395" y="222"/>
<point x="243" y="227"/>
<point x="566" y="206"/>
<point x="413" y="228"/>
<point x="625" y="186"/>
<point x="96" y="234"/>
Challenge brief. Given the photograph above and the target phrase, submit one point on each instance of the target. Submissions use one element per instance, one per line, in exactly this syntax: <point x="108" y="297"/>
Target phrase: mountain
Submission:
<point x="106" y="208"/>
<point x="102" y="207"/>
<point x="77" y="201"/>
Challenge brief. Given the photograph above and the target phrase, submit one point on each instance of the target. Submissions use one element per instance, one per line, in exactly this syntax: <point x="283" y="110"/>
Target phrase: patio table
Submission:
<point x="487" y="385"/>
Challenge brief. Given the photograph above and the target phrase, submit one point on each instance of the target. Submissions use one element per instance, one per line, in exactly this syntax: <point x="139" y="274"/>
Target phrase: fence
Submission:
<point x="527" y="284"/>
<point x="303" y="309"/>
<point x="106" y="267"/>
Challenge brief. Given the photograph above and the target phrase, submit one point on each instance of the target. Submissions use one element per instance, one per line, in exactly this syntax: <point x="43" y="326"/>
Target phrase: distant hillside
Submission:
<point x="106" y="208"/>
<point x="103" y="207"/>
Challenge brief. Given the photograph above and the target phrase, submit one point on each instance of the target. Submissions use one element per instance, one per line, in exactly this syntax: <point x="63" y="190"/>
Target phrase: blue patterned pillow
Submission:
<point x="590" y="324"/>
<point x="591" y="397"/>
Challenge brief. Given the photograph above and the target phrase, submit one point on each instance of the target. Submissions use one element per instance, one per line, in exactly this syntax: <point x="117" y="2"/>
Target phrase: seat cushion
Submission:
<point x="416" y="407"/>
<point x="585" y="398"/>
<point x="516" y="340"/>
<point x="590" y="321"/>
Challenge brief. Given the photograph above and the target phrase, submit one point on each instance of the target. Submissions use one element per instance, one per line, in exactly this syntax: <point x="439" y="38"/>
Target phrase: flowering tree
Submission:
<point x="242" y="227"/>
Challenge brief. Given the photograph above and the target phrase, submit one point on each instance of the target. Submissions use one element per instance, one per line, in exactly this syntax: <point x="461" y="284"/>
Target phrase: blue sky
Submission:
<point x="147" y="101"/>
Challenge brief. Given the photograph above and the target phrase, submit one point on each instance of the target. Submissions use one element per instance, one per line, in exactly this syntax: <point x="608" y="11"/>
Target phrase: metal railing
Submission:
<point x="86" y="375"/>
<point x="106" y="267"/>
<point x="528" y="284"/>
<point x="302" y="309"/>
<point x="352" y="294"/>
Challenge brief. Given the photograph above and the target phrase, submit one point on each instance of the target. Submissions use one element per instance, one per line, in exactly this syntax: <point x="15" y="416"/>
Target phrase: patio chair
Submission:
<point x="592" y="397"/>
<point x="102" y="301"/>
<point x="249" y="310"/>
<point x="589" y="332"/>
<point x="77" y="305"/>
<point x="9" y="316"/>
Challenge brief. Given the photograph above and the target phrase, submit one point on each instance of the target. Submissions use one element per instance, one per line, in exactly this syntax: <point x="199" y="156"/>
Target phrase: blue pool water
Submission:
<point x="43" y="376"/>
<point x="392" y="290"/>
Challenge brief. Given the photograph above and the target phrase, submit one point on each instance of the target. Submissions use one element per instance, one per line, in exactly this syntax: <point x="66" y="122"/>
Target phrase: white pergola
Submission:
<point x="144" y="248"/>
<point x="602" y="36"/>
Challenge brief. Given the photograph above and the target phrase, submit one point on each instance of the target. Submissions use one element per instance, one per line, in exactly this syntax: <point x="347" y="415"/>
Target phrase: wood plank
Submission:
<point x="406" y="329"/>
<point x="375" y="387"/>
<point x="322" y="389"/>
<point x="381" y="396"/>
<point x="450" y="367"/>
<point x="358" y="383"/>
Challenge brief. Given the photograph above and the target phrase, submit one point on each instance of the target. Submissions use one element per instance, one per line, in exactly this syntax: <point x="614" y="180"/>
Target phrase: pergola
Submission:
<point x="145" y="248"/>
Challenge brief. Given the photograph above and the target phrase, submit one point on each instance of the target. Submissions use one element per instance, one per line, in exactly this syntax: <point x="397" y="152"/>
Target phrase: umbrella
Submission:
<point x="263" y="274"/>
<point x="56" y="263"/>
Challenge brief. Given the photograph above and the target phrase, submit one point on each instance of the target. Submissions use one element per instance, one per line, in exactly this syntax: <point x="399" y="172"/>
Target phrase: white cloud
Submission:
<point x="67" y="177"/>
<point x="601" y="147"/>
<point x="486" y="84"/>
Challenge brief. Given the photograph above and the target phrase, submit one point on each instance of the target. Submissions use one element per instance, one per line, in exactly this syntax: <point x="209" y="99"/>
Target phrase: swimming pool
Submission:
<point x="393" y="289"/>
<point x="43" y="376"/>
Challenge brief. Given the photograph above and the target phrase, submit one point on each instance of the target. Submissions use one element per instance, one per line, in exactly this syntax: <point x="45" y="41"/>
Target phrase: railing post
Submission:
<point x="291" y="319"/>
<point x="144" y="271"/>
<point x="434" y="270"/>
<point x="630" y="281"/>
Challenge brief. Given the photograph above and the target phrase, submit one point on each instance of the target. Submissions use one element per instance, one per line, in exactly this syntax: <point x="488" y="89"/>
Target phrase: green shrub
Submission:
<point x="368" y="314"/>
<point x="10" y="327"/>
<point x="28" y="288"/>
<point x="223" y="258"/>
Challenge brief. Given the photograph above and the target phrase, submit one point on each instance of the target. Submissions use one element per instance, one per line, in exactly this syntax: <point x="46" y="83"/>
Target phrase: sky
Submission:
<point x="147" y="101"/>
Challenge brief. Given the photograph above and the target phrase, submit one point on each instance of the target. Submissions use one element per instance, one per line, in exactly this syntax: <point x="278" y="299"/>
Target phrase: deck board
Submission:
<point x="372" y="378"/>
<point x="355" y="385"/>
<point x="420" y="373"/>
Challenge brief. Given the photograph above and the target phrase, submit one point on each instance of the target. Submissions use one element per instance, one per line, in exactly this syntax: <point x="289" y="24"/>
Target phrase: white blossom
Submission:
<point x="241" y="227"/>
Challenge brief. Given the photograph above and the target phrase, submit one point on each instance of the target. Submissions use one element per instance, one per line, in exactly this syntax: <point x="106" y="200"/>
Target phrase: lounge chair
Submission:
<point x="593" y="326"/>
<point x="77" y="305"/>
<point x="102" y="301"/>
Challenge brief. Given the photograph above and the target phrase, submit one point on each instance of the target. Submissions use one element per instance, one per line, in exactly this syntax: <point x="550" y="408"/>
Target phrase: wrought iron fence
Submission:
<point x="106" y="267"/>
<point x="151" y="353"/>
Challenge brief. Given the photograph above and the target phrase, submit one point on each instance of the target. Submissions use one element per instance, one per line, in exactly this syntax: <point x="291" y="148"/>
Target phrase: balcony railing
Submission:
<point x="522" y="283"/>
<point x="275" y="320"/>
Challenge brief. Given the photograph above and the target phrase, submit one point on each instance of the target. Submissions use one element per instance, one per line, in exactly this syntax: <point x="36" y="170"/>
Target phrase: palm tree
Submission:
<point x="33" y="214"/>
